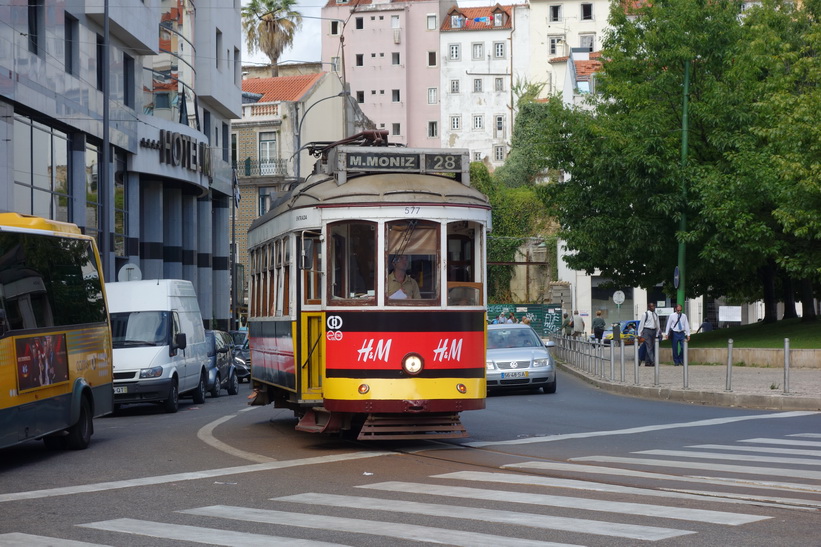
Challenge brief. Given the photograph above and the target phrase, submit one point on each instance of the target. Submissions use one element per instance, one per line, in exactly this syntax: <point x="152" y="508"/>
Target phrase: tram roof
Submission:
<point x="375" y="189"/>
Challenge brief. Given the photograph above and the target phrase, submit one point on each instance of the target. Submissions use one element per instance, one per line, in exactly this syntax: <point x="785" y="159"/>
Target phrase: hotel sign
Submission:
<point x="178" y="150"/>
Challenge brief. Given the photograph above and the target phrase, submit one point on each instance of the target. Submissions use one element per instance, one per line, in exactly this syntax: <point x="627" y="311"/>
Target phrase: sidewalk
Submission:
<point x="750" y="387"/>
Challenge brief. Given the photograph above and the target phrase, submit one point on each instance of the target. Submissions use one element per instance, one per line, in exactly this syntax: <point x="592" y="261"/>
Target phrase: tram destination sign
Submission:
<point x="401" y="160"/>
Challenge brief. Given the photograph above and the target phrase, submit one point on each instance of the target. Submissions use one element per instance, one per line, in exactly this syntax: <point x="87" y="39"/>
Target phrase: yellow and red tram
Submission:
<point x="367" y="307"/>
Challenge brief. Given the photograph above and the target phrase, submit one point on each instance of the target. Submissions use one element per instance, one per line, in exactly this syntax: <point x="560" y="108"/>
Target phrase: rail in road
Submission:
<point x="675" y="495"/>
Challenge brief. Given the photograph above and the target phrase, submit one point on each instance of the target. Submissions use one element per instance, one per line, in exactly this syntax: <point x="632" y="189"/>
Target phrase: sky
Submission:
<point x="307" y="42"/>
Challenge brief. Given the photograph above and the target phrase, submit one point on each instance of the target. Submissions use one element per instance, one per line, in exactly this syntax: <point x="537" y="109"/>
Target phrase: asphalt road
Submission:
<point x="580" y="467"/>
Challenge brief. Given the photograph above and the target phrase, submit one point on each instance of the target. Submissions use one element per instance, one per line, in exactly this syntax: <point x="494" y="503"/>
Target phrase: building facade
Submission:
<point x="159" y="81"/>
<point x="387" y="53"/>
<point x="484" y="55"/>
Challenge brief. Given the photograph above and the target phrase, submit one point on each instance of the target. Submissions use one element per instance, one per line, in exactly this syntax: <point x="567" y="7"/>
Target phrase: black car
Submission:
<point x="242" y="352"/>
<point x="222" y="371"/>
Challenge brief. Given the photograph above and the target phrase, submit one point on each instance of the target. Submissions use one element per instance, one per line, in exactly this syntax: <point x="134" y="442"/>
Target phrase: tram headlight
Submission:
<point x="413" y="364"/>
<point x="461" y="388"/>
<point x="364" y="388"/>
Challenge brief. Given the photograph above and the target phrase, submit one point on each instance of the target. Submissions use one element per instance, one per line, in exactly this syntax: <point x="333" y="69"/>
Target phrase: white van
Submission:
<point x="160" y="351"/>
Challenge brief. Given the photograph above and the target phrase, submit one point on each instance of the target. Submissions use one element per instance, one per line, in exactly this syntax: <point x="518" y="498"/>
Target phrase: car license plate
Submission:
<point x="517" y="374"/>
<point x="120" y="389"/>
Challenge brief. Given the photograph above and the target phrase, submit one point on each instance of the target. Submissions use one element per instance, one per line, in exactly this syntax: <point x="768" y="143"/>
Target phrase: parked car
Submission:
<point x="518" y="359"/>
<point x="239" y="336"/>
<point x="222" y="372"/>
<point x="628" y="330"/>
<point x="242" y="351"/>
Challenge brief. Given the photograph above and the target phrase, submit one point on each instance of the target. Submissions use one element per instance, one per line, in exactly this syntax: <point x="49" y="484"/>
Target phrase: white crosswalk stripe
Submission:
<point x="759" y="449"/>
<point x="362" y="526"/>
<point x="198" y="534"/>
<point x="733" y="457"/>
<point x="624" y="472"/>
<point x="788" y="442"/>
<point x="606" y="506"/>
<point x="513" y="478"/>
<point x="29" y="540"/>
<point x="610" y="529"/>
<point x="679" y="464"/>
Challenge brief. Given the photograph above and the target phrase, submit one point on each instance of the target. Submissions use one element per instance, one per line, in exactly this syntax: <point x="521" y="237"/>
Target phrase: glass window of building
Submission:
<point x="478" y="51"/>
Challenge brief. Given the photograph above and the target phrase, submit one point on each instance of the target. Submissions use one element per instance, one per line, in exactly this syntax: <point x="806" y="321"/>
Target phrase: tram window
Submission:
<point x="413" y="245"/>
<point x="310" y="265"/>
<point x="464" y="287"/>
<point x="352" y="261"/>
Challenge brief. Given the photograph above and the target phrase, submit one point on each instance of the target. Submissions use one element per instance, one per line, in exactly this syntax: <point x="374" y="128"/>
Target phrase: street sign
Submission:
<point x="618" y="298"/>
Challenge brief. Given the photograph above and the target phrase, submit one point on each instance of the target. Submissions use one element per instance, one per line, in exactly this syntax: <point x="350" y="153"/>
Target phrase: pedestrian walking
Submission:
<point x="598" y="326"/>
<point x="567" y="325"/>
<point x="678" y="330"/>
<point x="649" y="329"/>
<point x="578" y="325"/>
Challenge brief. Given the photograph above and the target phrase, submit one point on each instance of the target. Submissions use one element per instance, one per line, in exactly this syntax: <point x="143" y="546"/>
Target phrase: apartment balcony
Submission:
<point x="262" y="168"/>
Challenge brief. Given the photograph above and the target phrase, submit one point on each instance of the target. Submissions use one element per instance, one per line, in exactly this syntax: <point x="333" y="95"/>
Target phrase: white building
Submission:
<point x="484" y="54"/>
<point x="556" y="28"/>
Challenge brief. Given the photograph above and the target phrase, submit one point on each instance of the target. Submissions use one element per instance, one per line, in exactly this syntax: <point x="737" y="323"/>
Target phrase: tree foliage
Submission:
<point x="749" y="182"/>
<point x="518" y="215"/>
<point x="270" y="27"/>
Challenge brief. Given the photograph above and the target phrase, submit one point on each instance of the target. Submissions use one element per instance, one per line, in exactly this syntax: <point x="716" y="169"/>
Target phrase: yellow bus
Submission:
<point x="55" y="335"/>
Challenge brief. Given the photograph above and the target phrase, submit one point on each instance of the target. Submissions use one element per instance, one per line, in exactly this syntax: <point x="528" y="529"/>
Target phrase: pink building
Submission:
<point x="387" y="53"/>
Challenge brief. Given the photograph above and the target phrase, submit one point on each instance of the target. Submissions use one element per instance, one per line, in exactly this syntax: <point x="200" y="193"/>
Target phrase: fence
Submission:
<point x="612" y="363"/>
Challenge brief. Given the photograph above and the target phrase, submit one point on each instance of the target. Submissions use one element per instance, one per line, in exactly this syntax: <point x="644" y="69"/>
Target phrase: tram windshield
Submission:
<point x="413" y="262"/>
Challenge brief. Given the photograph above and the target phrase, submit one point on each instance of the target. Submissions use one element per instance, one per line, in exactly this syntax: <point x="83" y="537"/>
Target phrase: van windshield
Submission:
<point x="140" y="328"/>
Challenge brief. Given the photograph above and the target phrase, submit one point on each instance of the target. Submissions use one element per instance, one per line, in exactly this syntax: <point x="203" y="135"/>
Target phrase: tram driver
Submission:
<point x="400" y="284"/>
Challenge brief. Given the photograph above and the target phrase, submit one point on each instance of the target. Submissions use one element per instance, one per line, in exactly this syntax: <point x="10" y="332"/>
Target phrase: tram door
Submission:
<point x="313" y="351"/>
<point x="313" y="323"/>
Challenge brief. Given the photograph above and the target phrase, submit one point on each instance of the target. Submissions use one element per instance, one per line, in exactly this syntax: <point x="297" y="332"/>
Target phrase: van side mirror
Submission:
<point x="180" y="340"/>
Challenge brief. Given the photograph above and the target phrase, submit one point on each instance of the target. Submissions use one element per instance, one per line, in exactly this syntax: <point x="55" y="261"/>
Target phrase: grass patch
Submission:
<point x="760" y="335"/>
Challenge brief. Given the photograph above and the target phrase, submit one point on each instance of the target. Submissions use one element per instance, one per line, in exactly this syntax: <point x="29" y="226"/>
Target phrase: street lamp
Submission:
<point x="299" y="127"/>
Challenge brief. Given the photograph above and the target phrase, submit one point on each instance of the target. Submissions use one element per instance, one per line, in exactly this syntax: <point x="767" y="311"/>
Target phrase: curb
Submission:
<point x="707" y="398"/>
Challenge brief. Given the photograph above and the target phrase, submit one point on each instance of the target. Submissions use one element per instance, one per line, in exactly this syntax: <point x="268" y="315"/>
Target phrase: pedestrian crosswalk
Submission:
<point x="631" y="497"/>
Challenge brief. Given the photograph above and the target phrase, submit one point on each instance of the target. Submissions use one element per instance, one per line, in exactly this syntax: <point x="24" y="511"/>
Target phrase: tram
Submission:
<point x="368" y="291"/>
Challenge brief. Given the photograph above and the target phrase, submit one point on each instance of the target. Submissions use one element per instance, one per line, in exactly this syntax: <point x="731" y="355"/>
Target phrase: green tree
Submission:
<point x="270" y="27"/>
<point x="518" y="215"/>
<point x="619" y="211"/>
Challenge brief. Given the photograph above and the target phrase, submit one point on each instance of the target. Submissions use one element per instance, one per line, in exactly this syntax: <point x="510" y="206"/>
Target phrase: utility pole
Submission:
<point x="682" y="223"/>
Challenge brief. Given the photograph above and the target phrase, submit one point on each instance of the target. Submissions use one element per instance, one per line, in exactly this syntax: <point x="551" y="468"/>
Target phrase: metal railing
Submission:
<point x="262" y="168"/>
<point x="607" y="361"/>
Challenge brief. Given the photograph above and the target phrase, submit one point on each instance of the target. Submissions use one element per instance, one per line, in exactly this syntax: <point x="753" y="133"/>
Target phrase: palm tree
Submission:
<point x="270" y="26"/>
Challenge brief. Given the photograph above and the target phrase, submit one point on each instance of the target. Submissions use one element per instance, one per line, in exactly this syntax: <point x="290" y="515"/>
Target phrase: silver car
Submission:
<point x="518" y="359"/>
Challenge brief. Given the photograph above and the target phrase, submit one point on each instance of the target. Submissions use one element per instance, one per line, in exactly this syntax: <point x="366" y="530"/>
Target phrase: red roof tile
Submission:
<point x="282" y="88"/>
<point x="480" y="18"/>
<point x="585" y="68"/>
